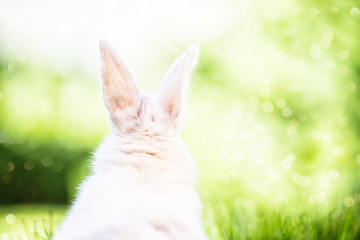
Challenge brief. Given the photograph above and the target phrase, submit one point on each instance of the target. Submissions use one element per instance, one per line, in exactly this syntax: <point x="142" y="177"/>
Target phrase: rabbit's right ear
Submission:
<point x="120" y="92"/>
<point x="173" y="90"/>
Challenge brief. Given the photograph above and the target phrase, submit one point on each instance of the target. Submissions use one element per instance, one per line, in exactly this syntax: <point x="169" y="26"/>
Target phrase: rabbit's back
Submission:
<point x="133" y="210"/>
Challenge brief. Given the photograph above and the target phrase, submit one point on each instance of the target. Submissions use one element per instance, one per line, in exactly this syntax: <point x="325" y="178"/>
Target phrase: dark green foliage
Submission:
<point x="36" y="174"/>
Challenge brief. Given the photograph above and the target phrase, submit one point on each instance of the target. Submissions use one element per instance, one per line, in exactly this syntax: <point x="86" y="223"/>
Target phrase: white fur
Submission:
<point x="142" y="185"/>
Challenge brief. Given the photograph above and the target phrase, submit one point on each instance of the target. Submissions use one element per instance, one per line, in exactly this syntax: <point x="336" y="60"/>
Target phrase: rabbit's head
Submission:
<point x="147" y="125"/>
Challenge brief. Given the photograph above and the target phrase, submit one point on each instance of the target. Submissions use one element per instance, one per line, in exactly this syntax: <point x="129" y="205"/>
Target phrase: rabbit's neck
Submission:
<point x="144" y="161"/>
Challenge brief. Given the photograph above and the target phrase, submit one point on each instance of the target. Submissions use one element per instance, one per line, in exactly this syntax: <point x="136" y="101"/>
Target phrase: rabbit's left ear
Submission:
<point x="120" y="92"/>
<point x="172" y="93"/>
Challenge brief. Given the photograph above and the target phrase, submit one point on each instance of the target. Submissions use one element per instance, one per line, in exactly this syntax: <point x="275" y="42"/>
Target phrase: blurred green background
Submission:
<point x="274" y="114"/>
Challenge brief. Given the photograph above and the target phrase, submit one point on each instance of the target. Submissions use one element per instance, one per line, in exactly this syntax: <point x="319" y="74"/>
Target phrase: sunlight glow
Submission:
<point x="10" y="219"/>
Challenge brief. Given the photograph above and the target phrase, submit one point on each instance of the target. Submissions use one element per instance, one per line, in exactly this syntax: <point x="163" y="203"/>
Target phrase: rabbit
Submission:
<point x="142" y="181"/>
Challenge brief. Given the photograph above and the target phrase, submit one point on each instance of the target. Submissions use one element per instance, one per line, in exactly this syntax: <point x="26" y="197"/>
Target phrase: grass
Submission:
<point x="29" y="222"/>
<point x="223" y="219"/>
<point x="257" y="219"/>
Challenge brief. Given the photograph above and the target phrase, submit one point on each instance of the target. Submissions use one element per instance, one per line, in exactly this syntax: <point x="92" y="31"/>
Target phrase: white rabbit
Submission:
<point x="142" y="185"/>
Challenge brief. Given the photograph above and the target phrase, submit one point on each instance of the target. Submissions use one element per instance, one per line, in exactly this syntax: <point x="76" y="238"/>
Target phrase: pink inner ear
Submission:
<point x="170" y="106"/>
<point x="173" y="94"/>
<point x="119" y="93"/>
